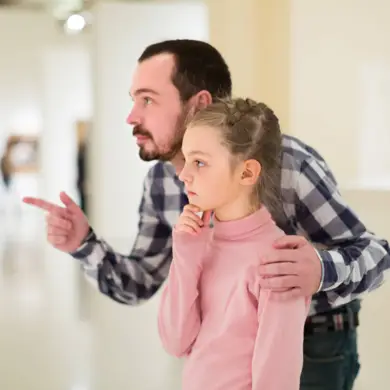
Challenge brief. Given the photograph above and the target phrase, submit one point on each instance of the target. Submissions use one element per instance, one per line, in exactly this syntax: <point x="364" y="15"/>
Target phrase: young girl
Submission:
<point x="234" y="335"/>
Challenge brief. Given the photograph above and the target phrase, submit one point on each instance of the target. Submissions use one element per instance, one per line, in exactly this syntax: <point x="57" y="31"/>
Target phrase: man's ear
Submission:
<point x="202" y="99"/>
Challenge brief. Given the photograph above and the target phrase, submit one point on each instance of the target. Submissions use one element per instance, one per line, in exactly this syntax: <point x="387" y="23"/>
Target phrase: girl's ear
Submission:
<point x="251" y="172"/>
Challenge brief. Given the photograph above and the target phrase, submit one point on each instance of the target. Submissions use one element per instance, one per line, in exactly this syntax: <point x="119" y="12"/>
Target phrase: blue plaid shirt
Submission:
<point x="353" y="259"/>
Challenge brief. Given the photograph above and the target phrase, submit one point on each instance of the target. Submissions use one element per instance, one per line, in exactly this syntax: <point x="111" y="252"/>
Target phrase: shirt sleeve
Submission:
<point x="179" y="317"/>
<point x="278" y="353"/>
<point x="353" y="259"/>
<point x="129" y="279"/>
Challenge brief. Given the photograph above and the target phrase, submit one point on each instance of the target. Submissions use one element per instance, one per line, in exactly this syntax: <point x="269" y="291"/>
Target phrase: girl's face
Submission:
<point x="212" y="183"/>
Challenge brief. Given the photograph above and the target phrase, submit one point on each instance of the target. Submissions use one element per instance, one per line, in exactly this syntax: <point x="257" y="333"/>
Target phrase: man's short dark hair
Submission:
<point x="199" y="66"/>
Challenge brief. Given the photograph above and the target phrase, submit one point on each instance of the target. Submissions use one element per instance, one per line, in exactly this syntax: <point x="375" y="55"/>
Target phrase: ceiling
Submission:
<point x="58" y="7"/>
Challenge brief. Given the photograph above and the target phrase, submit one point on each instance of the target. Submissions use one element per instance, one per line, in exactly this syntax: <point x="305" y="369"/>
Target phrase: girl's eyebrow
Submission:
<point x="192" y="152"/>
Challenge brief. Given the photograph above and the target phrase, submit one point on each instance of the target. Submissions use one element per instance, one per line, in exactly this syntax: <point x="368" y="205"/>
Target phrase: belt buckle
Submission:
<point x="338" y="321"/>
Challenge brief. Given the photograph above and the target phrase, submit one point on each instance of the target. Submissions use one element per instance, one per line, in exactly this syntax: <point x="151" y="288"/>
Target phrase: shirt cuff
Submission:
<point x="322" y="271"/>
<point x="333" y="269"/>
<point x="91" y="236"/>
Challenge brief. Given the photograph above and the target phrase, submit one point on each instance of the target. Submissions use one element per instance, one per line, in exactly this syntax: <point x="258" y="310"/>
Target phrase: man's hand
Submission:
<point x="67" y="226"/>
<point x="292" y="268"/>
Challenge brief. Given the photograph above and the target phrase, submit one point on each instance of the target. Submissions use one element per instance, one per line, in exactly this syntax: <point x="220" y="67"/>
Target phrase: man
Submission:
<point x="173" y="79"/>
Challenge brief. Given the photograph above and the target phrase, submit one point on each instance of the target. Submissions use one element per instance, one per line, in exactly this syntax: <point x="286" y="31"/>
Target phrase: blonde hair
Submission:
<point x="250" y="130"/>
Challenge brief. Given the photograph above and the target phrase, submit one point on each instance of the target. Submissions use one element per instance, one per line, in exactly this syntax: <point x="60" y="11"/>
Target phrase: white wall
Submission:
<point x="67" y="88"/>
<point x="44" y="88"/>
<point x="340" y="89"/>
<point x="339" y="103"/>
<point x="22" y="35"/>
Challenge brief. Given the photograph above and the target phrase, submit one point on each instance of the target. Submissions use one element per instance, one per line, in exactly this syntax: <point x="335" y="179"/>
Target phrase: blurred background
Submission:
<point x="65" y="72"/>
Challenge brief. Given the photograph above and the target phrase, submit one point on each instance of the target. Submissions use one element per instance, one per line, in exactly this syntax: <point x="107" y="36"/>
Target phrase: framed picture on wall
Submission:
<point x="22" y="154"/>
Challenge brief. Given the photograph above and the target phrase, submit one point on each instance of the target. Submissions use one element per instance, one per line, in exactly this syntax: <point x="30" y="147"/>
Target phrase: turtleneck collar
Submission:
<point x="244" y="227"/>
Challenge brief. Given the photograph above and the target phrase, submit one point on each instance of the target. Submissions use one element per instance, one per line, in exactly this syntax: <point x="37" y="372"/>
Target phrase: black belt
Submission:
<point x="334" y="321"/>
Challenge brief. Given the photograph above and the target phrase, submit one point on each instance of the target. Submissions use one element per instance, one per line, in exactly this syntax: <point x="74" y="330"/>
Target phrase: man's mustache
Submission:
<point x="141" y="131"/>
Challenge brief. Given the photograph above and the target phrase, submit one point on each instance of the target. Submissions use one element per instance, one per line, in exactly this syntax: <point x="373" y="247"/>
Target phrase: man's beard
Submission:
<point x="174" y="147"/>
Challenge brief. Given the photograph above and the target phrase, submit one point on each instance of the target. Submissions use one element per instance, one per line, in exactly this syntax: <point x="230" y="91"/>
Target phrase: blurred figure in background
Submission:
<point x="82" y="129"/>
<point x="6" y="166"/>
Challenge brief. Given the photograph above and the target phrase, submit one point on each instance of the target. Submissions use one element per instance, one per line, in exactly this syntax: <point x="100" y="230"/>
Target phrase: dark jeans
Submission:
<point x="331" y="360"/>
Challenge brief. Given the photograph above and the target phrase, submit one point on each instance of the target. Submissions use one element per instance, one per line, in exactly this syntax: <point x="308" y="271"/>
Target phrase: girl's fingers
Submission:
<point x="190" y="222"/>
<point x="194" y="217"/>
<point x="186" y="229"/>
<point x="206" y="217"/>
<point x="191" y="207"/>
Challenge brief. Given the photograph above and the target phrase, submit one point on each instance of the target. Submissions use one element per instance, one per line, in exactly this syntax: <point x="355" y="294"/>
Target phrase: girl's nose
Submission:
<point x="184" y="175"/>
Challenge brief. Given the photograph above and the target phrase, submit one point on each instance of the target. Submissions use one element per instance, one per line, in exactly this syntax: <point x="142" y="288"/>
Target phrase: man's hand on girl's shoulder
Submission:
<point x="292" y="268"/>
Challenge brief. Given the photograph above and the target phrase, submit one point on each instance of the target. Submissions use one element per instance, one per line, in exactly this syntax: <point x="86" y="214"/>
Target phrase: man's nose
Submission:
<point x="133" y="118"/>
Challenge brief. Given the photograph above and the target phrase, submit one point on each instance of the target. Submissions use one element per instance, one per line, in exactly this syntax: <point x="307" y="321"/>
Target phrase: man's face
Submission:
<point x="158" y="114"/>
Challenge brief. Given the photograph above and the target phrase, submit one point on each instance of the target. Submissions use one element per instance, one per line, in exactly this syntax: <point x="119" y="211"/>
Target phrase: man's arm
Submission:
<point x="137" y="276"/>
<point x="354" y="259"/>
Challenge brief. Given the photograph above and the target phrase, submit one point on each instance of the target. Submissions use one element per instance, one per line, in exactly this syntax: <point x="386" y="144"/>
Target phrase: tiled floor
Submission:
<point x="59" y="333"/>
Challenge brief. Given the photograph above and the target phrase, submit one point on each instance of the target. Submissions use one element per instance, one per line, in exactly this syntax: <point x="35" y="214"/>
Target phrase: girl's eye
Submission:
<point x="199" y="163"/>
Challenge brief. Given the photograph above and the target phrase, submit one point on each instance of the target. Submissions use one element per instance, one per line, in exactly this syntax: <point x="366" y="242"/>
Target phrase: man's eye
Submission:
<point x="147" y="100"/>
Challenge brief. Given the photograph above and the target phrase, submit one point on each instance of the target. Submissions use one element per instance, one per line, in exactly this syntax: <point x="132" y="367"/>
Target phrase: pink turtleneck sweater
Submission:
<point x="234" y="335"/>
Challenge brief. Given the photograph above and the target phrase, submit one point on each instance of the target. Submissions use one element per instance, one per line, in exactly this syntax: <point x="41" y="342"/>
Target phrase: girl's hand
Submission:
<point x="190" y="222"/>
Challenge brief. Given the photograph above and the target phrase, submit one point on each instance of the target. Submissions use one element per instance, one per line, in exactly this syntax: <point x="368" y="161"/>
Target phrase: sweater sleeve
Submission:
<point x="179" y="315"/>
<point x="278" y="353"/>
